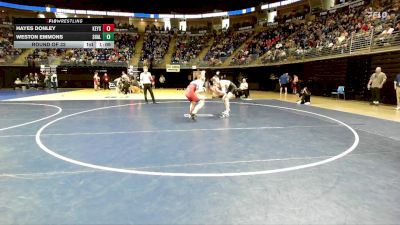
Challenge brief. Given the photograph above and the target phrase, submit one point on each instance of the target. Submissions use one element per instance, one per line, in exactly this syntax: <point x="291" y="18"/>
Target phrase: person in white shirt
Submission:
<point x="17" y="83"/>
<point x="145" y="79"/>
<point x="243" y="89"/>
<point x="162" y="81"/>
<point x="54" y="81"/>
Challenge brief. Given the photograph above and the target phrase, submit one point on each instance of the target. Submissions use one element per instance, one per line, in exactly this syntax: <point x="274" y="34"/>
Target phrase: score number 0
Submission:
<point x="108" y="27"/>
<point x="108" y="32"/>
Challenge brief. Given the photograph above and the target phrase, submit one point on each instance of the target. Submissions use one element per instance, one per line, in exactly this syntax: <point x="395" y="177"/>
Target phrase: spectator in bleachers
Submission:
<point x="123" y="51"/>
<point x="188" y="47"/>
<point x="155" y="46"/>
<point x="225" y="43"/>
<point x="323" y="36"/>
<point x="7" y="51"/>
<point x="293" y="39"/>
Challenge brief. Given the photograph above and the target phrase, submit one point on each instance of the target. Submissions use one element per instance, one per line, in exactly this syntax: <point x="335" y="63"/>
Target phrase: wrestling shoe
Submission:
<point x="224" y="115"/>
<point x="193" y="116"/>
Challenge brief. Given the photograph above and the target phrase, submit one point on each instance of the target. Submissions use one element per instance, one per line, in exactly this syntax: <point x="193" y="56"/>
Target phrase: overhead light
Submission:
<point x="75" y="16"/>
<point x="60" y="15"/>
<point x="156" y="20"/>
<point x="141" y="19"/>
<point x="88" y="16"/>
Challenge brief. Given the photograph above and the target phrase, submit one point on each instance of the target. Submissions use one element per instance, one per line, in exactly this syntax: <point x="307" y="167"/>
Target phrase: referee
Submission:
<point x="145" y="79"/>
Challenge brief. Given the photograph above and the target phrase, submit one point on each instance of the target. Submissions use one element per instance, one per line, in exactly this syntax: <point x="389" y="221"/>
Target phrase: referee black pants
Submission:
<point x="148" y="87"/>
<point x="375" y="94"/>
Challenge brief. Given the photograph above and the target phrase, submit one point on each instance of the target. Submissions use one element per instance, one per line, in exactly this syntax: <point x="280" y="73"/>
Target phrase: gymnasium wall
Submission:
<point x="322" y="77"/>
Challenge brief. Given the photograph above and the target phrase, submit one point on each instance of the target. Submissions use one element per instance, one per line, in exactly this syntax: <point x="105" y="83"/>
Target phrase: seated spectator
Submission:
<point x="188" y="48"/>
<point x="26" y="79"/>
<point x="225" y="43"/>
<point x="123" y="51"/>
<point x="135" y="87"/>
<point x="305" y="96"/>
<point x="243" y="89"/>
<point x="7" y="51"/>
<point x="155" y="46"/>
<point x="18" y="83"/>
<point x="125" y="83"/>
<point x="36" y="78"/>
<point x="386" y="35"/>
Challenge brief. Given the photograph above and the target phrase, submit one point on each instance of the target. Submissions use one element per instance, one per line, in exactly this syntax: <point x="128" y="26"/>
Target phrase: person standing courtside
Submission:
<point x="375" y="83"/>
<point x="294" y="83"/>
<point x="96" y="81"/>
<point x="284" y="82"/>
<point x="106" y="82"/>
<point x="397" y="88"/>
<point x="54" y="81"/>
<point x="145" y="79"/>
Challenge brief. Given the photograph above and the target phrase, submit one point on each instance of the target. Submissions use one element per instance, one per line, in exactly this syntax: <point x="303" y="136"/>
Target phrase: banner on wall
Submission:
<point x="246" y="28"/>
<point x="173" y="68"/>
<point x="356" y="4"/>
<point x="349" y="4"/>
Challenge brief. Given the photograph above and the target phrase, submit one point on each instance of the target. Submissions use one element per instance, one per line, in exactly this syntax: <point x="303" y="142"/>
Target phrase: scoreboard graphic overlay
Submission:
<point x="64" y="33"/>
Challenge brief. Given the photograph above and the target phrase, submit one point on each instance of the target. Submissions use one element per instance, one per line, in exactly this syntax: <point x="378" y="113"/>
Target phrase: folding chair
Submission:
<point x="339" y="91"/>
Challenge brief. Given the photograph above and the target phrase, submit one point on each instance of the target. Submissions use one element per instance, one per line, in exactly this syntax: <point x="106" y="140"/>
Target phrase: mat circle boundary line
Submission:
<point x="173" y="174"/>
<point x="33" y="121"/>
